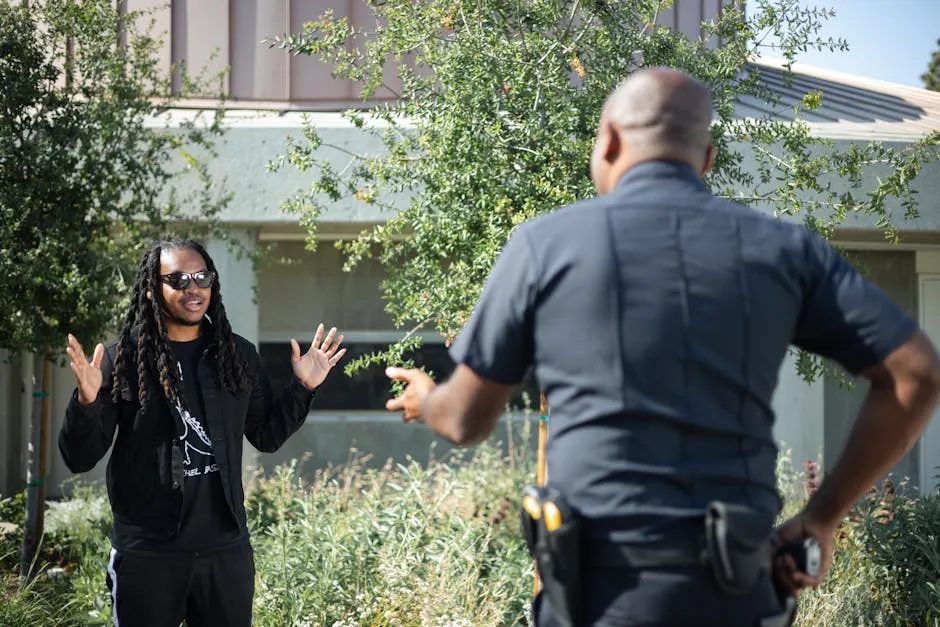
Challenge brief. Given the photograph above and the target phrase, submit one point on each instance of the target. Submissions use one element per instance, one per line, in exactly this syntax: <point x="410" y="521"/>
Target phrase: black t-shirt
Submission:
<point x="207" y="522"/>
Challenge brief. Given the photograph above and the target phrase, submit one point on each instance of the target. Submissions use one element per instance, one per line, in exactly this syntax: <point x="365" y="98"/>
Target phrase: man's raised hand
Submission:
<point x="312" y="367"/>
<point x="87" y="373"/>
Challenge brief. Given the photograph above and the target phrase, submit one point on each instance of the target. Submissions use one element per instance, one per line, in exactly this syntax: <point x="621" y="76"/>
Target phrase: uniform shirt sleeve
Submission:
<point x="844" y="316"/>
<point x="497" y="341"/>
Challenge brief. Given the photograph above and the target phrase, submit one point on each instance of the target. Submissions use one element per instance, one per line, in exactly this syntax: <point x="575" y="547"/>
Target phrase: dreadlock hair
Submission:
<point x="145" y="315"/>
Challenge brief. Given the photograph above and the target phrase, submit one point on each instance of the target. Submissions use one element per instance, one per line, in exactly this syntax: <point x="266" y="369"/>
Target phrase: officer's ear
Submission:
<point x="614" y="143"/>
<point x="709" y="160"/>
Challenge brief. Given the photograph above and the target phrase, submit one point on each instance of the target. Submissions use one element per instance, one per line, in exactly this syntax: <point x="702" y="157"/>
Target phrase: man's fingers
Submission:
<point x="317" y="337"/>
<point x="395" y="404"/>
<point x="98" y="356"/>
<point x="790" y="578"/>
<point x="335" y="346"/>
<point x="784" y="578"/>
<point x="804" y="581"/>
<point x="399" y="374"/>
<point x="325" y="347"/>
<point x="294" y="350"/>
<point x="75" y="352"/>
<point x="335" y="358"/>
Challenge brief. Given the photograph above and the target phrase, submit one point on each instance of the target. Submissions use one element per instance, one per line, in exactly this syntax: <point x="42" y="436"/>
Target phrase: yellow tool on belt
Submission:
<point x="552" y="534"/>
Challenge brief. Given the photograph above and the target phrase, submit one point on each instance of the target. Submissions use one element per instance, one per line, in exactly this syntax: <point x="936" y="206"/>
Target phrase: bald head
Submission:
<point x="656" y="113"/>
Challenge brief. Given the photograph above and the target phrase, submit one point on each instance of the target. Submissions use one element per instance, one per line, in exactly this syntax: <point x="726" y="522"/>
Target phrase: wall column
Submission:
<point x="928" y="279"/>
<point x="800" y="410"/>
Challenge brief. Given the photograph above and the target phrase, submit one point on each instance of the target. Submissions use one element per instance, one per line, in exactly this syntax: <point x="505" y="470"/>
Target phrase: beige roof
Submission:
<point x="853" y="107"/>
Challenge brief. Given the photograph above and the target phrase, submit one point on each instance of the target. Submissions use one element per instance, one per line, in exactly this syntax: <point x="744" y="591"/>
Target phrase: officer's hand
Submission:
<point x="417" y="387"/>
<point x="87" y="373"/>
<point x="802" y="526"/>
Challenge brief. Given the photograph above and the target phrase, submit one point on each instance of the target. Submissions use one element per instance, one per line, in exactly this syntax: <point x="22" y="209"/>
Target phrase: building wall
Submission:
<point x="215" y="34"/>
<point x="895" y="273"/>
<point x="298" y="289"/>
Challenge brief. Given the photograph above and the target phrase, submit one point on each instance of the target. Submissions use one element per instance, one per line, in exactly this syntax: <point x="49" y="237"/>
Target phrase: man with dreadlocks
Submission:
<point x="180" y="389"/>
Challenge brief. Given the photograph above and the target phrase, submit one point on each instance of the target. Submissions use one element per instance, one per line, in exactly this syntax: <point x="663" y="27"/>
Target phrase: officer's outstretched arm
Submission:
<point x="464" y="409"/>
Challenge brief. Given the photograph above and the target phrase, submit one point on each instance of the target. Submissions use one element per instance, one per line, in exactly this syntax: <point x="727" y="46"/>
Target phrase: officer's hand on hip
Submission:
<point x="312" y="367"/>
<point x="417" y="387"/>
<point x="786" y="572"/>
<point x="87" y="373"/>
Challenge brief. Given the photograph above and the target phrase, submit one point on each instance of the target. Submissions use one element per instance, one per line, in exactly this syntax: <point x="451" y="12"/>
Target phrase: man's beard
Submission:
<point x="181" y="321"/>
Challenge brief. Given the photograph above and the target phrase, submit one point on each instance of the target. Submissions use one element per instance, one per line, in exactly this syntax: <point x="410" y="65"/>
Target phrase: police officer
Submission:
<point x="657" y="317"/>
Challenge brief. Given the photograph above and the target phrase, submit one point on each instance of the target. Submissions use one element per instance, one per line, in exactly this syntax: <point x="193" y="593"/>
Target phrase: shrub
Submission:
<point x="75" y="535"/>
<point x="886" y="569"/>
<point x="404" y="545"/>
<point x="408" y="545"/>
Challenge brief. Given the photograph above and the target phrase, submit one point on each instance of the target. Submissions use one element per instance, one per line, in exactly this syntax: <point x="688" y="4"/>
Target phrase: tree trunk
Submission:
<point x="39" y="427"/>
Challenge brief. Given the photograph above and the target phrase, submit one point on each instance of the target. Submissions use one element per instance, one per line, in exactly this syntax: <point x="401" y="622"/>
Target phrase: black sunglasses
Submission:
<point x="181" y="280"/>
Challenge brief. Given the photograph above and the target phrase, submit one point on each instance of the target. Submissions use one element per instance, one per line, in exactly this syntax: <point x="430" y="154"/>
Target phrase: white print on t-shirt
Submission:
<point x="197" y="447"/>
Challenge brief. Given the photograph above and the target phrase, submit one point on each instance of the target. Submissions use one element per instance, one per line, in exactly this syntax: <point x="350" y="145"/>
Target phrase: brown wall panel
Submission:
<point x="259" y="72"/>
<point x="201" y="38"/>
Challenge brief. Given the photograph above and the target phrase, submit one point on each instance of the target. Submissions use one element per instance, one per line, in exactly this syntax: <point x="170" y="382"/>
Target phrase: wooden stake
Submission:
<point x="541" y="470"/>
<point x="40" y="426"/>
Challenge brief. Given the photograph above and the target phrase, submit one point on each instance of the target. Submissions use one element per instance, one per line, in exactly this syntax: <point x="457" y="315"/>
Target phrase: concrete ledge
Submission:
<point x="327" y="439"/>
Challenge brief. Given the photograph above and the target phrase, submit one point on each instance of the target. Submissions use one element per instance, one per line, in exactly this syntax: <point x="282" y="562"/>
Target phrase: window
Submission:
<point x="312" y="288"/>
<point x="369" y="389"/>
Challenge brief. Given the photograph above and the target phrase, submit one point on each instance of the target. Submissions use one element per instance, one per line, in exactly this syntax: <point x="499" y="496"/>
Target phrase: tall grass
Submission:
<point x="402" y="545"/>
<point x="407" y="545"/>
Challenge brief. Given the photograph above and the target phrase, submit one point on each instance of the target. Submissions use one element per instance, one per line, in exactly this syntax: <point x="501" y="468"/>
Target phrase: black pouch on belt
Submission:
<point x="553" y="535"/>
<point x="738" y="544"/>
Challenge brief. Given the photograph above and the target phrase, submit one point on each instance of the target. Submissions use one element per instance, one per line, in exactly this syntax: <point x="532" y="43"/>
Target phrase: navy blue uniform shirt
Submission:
<point x="657" y="318"/>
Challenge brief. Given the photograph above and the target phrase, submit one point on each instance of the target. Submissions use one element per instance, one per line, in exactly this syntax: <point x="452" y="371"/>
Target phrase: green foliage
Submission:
<point x="886" y="570"/>
<point x="84" y="177"/>
<point x="13" y="508"/>
<point x="39" y="603"/>
<point x="496" y="111"/>
<point x="931" y="77"/>
<point x="405" y="545"/>
<point x="439" y="545"/>
<point x="69" y="589"/>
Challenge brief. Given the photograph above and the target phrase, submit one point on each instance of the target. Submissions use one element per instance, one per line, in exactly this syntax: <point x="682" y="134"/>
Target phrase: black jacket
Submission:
<point x="145" y="471"/>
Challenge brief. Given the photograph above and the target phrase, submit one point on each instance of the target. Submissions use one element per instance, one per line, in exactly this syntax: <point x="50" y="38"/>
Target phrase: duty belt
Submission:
<point x="682" y="551"/>
<point x="685" y="551"/>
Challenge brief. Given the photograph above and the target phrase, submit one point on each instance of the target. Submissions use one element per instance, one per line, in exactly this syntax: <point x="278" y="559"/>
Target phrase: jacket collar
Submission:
<point x="647" y="170"/>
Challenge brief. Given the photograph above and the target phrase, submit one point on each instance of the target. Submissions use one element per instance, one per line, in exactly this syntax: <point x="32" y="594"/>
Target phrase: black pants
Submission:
<point x="213" y="589"/>
<point x="679" y="597"/>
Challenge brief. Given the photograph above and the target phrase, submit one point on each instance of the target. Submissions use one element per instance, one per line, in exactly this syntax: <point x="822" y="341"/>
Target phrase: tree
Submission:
<point x="83" y="181"/>
<point x="495" y="117"/>
<point x="931" y="77"/>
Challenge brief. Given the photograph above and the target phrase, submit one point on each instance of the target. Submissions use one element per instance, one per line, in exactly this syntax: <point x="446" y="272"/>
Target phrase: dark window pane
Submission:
<point x="369" y="389"/>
